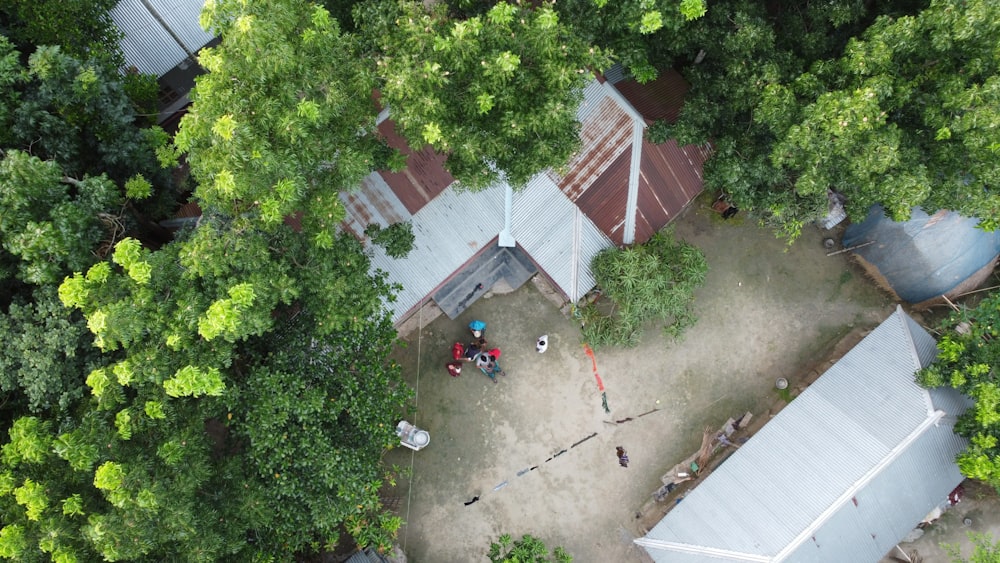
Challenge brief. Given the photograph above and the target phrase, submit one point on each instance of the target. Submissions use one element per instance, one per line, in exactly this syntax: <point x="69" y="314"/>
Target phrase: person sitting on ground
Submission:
<point x="483" y="360"/>
<point x="474" y="348"/>
<point x="478" y="328"/>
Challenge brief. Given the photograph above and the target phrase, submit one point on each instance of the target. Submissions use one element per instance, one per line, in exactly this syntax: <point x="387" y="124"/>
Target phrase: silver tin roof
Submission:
<point x="456" y="225"/>
<point x="840" y="474"/>
<point x="159" y="34"/>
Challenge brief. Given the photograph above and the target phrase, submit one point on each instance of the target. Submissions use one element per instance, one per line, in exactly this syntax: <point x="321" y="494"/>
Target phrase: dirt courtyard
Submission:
<point x="538" y="448"/>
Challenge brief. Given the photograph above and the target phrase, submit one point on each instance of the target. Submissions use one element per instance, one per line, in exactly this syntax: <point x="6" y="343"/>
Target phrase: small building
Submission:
<point x="842" y="473"/>
<point x="619" y="189"/>
<point x="161" y="38"/>
<point x="927" y="258"/>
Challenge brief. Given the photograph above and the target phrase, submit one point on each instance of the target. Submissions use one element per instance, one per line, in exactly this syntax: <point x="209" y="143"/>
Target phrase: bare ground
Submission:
<point x="538" y="449"/>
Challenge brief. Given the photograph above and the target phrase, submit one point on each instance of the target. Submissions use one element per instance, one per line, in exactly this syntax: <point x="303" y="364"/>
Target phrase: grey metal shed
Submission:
<point x="842" y="473"/>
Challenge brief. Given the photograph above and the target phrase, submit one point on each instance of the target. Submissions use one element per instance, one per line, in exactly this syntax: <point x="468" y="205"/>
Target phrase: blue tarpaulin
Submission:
<point x="927" y="256"/>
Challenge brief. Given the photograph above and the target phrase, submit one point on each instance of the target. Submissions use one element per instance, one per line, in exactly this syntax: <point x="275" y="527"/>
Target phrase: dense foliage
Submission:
<point x="77" y="113"/>
<point x="283" y="119"/>
<point x="639" y="33"/>
<point x="224" y="395"/>
<point x="984" y="549"/>
<point x="908" y="115"/>
<point x="397" y="239"/>
<point x="651" y="281"/>
<point x="82" y="28"/>
<point x="460" y="85"/>
<point x="883" y="102"/>
<point x="65" y="125"/>
<point x="968" y="359"/>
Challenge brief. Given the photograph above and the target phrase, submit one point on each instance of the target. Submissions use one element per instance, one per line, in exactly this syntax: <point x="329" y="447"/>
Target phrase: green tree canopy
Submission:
<point x="984" y="549"/>
<point x="46" y="350"/>
<point x="315" y="422"/>
<point x="77" y="114"/>
<point x="243" y="391"/>
<point x="637" y="33"/>
<point x="908" y="116"/>
<point x="82" y="28"/>
<point x="284" y="118"/>
<point x="496" y="92"/>
<point x="888" y="103"/>
<point x="51" y="223"/>
<point x="968" y="359"/>
<point x="61" y="216"/>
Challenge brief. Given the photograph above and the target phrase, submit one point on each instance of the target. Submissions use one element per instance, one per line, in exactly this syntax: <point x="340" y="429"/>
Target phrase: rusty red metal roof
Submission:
<point x="605" y="135"/>
<point x="659" y="99"/>
<point x="424" y="176"/>
<point x="670" y="177"/>
<point x="598" y="181"/>
<point x="189" y="209"/>
<point x="605" y="202"/>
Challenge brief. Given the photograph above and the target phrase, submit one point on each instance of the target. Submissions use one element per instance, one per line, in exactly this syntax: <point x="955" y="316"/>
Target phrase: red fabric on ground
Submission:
<point x="600" y="384"/>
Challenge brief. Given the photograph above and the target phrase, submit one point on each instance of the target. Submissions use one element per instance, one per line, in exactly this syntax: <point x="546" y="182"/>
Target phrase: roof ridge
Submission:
<point x="908" y="334"/>
<point x="893" y="454"/>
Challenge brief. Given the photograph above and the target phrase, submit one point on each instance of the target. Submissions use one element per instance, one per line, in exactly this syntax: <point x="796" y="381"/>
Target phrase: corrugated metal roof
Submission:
<point x="560" y="239"/>
<point x="454" y="226"/>
<point x="561" y="222"/>
<point x="181" y="18"/>
<point x="659" y="99"/>
<point x="448" y="231"/>
<point x="615" y="74"/>
<point x="605" y="134"/>
<point x="373" y="202"/>
<point x="668" y="179"/>
<point x="820" y="481"/>
<point x="159" y="34"/>
<point x="146" y="44"/>
<point x="424" y="177"/>
<point x="605" y="203"/>
<point x="891" y="505"/>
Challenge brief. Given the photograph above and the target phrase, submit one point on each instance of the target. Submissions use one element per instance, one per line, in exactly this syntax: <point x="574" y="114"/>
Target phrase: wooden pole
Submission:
<point x="976" y="291"/>
<point x="841" y="251"/>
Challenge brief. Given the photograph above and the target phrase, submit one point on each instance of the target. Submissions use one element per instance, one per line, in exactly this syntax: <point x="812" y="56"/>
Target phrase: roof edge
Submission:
<point x="931" y="421"/>
<point x="914" y="354"/>
<point x="679" y="547"/>
<point x="909" y="337"/>
<point x="624" y="103"/>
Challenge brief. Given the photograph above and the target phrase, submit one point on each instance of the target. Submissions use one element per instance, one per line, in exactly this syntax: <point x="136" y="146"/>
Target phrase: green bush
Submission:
<point x="652" y="281"/>
<point x="397" y="239"/>
<point x="658" y="132"/>
<point x="528" y="549"/>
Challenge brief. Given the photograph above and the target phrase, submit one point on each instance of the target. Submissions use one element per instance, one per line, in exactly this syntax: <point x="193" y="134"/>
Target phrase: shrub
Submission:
<point x="397" y="239"/>
<point x="652" y="281"/>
